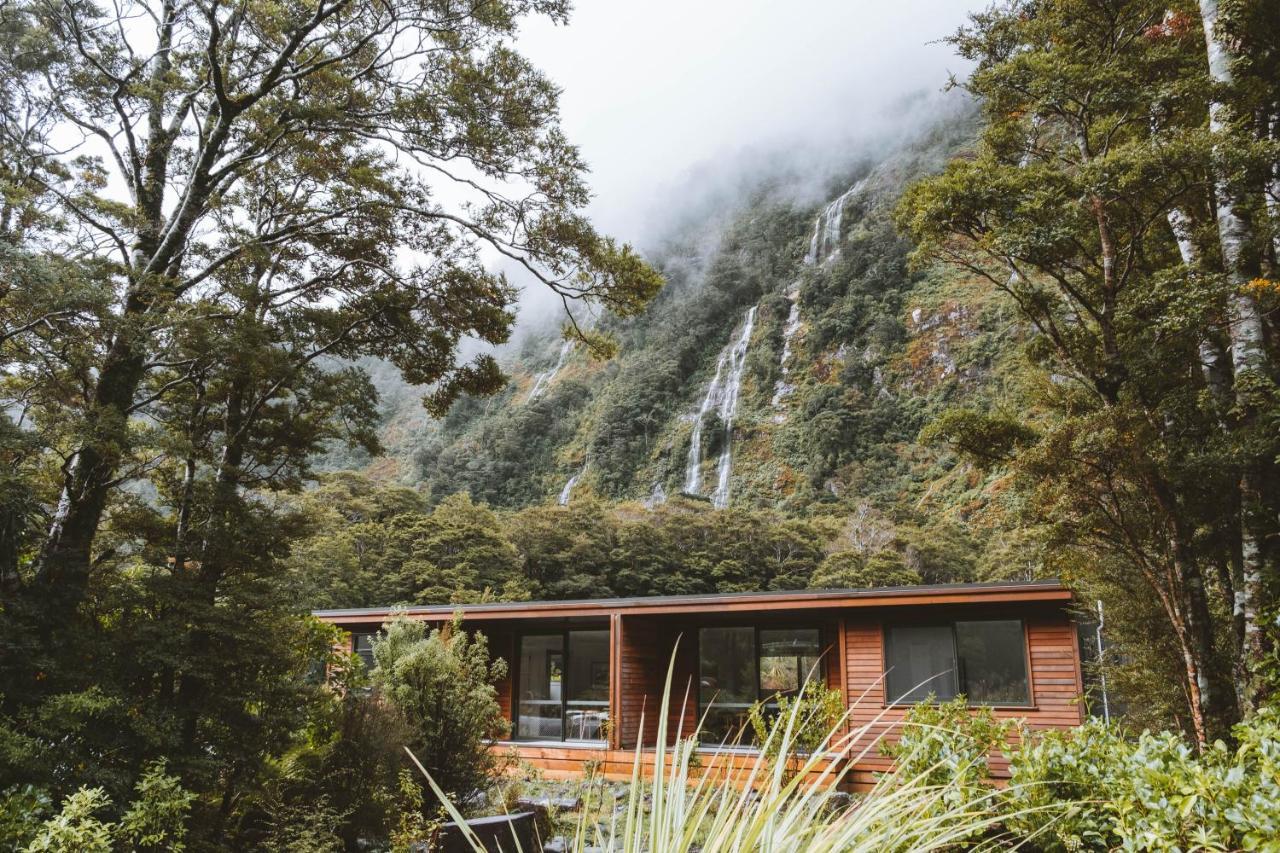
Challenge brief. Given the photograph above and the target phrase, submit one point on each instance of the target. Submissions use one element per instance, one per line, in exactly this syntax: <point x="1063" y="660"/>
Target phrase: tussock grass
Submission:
<point x="703" y="800"/>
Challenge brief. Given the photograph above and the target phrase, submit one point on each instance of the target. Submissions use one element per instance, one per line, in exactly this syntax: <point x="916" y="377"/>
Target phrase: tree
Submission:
<point x="853" y="570"/>
<point x="1064" y="208"/>
<point x="460" y="552"/>
<point x="253" y="148"/>
<point x="442" y="681"/>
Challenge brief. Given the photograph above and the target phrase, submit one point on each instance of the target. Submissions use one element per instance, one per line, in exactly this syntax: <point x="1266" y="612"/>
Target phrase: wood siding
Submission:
<point x="568" y="762"/>
<point x="1054" y="674"/>
<point x="852" y="631"/>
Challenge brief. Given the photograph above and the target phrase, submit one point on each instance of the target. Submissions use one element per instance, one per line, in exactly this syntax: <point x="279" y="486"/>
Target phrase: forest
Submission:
<point x="257" y="360"/>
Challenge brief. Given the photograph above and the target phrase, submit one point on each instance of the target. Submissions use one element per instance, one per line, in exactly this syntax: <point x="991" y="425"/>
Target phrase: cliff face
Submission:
<point x="790" y="362"/>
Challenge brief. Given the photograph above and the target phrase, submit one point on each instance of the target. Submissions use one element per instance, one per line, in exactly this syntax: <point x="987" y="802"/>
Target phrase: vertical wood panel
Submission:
<point x="1054" y="675"/>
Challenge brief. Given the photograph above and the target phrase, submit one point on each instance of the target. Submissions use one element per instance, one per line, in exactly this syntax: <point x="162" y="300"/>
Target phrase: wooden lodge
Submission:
<point x="586" y="677"/>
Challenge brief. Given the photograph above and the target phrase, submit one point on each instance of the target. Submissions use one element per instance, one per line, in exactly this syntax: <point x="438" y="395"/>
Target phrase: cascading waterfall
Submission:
<point x="782" y="388"/>
<point x="693" y="470"/>
<point x="823" y="245"/>
<point x="728" y="407"/>
<point x="568" y="487"/>
<point x="543" y="379"/>
<point x="657" y="497"/>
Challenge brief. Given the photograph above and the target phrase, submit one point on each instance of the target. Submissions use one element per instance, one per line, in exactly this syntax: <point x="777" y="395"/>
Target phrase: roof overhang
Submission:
<point x="1044" y="592"/>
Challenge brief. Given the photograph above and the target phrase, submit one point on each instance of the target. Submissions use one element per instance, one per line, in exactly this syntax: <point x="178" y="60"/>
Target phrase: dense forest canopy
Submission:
<point x="245" y="252"/>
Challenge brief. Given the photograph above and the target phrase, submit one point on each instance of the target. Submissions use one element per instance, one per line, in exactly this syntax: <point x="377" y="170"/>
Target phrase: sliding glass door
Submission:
<point x="563" y="684"/>
<point x="541" y="715"/>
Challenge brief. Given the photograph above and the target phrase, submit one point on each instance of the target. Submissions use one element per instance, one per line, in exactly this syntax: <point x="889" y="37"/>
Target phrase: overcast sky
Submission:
<point x="653" y="89"/>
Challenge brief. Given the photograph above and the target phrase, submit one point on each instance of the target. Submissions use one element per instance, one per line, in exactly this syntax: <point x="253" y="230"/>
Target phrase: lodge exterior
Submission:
<point x="585" y="678"/>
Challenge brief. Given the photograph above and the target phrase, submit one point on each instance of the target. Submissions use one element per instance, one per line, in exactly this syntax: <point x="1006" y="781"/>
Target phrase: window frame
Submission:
<point x="886" y="628"/>
<point x="355" y="647"/>
<point x="820" y="677"/>
<point x="518" y="654"/>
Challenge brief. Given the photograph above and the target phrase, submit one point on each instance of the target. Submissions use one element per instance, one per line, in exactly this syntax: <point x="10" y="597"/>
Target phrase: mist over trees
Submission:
<point x="1044" y="343"/>
<point x="207" y="211"/>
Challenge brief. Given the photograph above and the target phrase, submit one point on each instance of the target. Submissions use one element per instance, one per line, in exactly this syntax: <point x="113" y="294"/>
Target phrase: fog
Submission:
<point x="672" y="102"/>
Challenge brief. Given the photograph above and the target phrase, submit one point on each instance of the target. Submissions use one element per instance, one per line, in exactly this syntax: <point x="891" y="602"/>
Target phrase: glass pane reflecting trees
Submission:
<point x="986" y="660"/>
<point x="741" y="666"/>
<point x="993" y="661"/>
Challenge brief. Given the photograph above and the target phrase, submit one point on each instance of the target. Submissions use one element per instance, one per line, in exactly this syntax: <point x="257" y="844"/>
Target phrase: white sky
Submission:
<point x="653" y="89"/>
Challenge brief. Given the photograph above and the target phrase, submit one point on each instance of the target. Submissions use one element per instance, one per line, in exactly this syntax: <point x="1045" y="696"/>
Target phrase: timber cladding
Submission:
<point x="648" y="637"/>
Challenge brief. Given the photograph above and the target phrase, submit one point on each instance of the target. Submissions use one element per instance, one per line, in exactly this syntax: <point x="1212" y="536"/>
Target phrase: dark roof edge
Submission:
<point x="1047" y="585"/>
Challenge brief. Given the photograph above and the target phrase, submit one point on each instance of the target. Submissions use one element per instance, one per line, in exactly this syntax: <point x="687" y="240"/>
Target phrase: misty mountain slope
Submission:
<point x="873" y="352"/>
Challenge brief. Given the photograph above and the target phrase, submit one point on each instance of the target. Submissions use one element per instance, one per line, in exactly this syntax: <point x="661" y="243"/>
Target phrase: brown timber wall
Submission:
<point x="1055" y="687"/>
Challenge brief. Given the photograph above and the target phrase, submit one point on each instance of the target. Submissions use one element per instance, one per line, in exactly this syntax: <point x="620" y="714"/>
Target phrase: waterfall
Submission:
<point x="823" y="245"/>
<point x="543" y="379"/>
<point x="782" y="388"/>
<point x="657" y="497"/>
<point x="693" y="470"/>
<point x="722" y="395"/>
<point x="728" y="407"/>
<point x="568" y="487"/>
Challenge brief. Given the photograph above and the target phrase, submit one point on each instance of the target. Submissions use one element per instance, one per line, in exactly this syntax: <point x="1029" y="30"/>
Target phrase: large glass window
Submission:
<point x="986" y="660"/>
<point x="741" y="666"/>
<point x="727" y="681"/>
<point x="587" y="698"/>
<point x="788" y="657"/>
<point x="922" y="661"/>
<point x="563" y="686"/>
<point x="362" y="645"/>
<point x="541" y="711"/>
<point x="993" y="661"/>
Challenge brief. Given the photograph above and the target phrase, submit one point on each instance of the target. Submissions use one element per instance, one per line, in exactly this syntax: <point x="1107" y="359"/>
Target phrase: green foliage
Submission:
<point x="1102" y="230"/>
<point x="441" y="681"/>
<point x="1105" y="792"/>
<point x="22" y="812"/>
<point x="412" y="826"/>
<point x="800" y="725"/>
<point x="851" y="569"/>
<point x="155" y="820"/>
<point x="948" y="745"/>
<point x="77" y="827"/>
<point x="187" y="320"/>
<point x="463" y="551"/>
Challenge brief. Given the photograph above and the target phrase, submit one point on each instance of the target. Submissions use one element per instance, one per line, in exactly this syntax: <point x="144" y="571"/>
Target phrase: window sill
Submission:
<point x="594" y="745"/>
<point x="888" y="705"/>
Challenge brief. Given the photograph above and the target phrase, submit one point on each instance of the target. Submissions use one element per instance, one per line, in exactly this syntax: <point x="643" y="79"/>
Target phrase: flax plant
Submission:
<point x="702" y="800"/>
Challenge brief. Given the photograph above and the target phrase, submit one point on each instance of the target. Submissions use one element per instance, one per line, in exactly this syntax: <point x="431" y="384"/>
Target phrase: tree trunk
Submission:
<point x="1250" y="364"/>
<point x="64" y="558"/>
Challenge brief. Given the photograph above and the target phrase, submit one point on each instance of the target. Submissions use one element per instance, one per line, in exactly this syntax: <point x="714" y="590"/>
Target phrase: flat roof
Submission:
<point x="1050" y="590"/>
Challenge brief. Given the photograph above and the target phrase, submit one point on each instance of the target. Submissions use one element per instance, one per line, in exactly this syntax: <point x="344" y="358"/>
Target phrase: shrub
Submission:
<point x="948" y="744"/>
<point x="1055" y="767"/>
<point x="155" y="820"/>
<point x="1152" y="794"/>
<point x="800" y="727"/>
<point x="441" y="681"/>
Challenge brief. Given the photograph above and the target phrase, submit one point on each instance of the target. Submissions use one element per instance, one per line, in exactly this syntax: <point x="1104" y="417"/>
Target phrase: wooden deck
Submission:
<point x="570" y="761"/>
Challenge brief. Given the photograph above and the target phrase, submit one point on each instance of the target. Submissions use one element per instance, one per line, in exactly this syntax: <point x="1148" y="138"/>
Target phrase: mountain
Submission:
<point x="790" y="362"/>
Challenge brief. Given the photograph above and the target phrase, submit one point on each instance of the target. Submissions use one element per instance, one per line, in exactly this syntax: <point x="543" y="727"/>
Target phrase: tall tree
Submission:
<point x="348" y="158"/>
<point x="1073" y="187"/>
<point x="1236" y="120"/>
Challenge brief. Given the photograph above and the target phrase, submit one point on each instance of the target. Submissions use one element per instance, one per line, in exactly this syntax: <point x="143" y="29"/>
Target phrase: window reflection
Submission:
<point x="986" y="660"/>
<point x="741" y="666"/>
